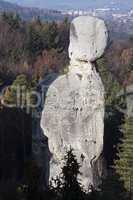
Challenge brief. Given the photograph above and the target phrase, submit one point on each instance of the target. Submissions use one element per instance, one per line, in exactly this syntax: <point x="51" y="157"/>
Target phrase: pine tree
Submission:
<point x="124" y="165"/>
<point x="35" y="43"/>
<point x="70" y="172"/>
<point x="112" y="86"/>
<point x="68" y="185"/>
<point x="12" y="19"/>
<point x="112" y="188"/>
<point x="50" y="34"/>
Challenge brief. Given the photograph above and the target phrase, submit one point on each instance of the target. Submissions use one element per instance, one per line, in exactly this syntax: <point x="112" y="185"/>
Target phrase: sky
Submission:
<point x="52" y="3"/>
<point x="69" y="3"/>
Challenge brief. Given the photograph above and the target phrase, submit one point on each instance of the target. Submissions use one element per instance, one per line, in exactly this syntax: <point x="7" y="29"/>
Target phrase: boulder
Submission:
<point x="88" y="38"/>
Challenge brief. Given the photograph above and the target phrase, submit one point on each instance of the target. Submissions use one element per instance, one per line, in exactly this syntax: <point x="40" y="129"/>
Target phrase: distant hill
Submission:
<point x="28" y="13"/>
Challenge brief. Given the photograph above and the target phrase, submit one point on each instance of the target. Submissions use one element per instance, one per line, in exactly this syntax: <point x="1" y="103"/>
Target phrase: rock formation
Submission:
<point x="73" y="113"/>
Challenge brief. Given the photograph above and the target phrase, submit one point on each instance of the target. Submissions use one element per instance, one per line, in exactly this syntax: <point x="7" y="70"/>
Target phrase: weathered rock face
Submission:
<point x="73" y="113"/>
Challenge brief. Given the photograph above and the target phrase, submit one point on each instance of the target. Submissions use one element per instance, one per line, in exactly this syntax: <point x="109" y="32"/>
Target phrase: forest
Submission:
<point x="29" y="52"/>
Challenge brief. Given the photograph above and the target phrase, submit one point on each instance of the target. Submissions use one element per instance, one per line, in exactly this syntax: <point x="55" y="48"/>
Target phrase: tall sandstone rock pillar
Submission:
<point x="73" y="113"/>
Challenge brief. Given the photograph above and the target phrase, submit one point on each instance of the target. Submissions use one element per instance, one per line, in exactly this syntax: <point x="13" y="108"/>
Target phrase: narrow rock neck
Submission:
<point x="82" y="67"/>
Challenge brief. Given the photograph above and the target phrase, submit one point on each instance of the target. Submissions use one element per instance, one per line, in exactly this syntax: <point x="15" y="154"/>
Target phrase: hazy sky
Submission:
<point x="52" y="3"/>
<point x="71" y="3"/>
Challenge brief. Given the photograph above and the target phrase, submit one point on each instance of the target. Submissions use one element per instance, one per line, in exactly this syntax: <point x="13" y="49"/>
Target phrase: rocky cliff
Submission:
<point x="73" y="113"/>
